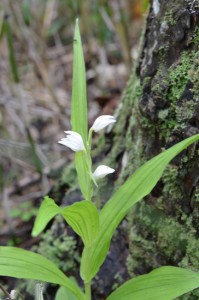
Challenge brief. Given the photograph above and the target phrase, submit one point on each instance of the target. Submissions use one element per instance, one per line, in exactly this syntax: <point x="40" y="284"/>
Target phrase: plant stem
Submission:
<point x="89" y="140"/>
<point x="12" y="59"/>
<point x="89" y="164"/>
<point x="88" y="290"/>
<point x="6" y="293"/>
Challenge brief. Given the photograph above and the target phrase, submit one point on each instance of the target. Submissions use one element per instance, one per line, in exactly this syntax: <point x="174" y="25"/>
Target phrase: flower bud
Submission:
<point x="102" y="121"/>
<point x="102" y="171"/>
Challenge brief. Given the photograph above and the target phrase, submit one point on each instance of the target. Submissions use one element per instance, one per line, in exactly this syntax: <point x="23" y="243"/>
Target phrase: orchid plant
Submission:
<point x="96" y="227"/>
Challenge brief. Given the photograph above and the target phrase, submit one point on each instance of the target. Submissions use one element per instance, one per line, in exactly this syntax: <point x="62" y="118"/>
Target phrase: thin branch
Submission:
<point x="5" y="292"/>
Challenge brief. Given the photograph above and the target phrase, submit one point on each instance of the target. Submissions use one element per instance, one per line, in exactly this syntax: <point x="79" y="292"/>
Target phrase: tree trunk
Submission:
<point x="160" y="107"/>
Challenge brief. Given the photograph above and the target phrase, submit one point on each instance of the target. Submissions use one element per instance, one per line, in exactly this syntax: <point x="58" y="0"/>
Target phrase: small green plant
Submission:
<point x="25" y="211"/>
<point x="96" y="227"/>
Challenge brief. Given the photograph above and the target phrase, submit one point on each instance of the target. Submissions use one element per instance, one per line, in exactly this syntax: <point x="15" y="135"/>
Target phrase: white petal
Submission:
<point x="73" y="140"/>
<point x="102" y="171"/>
<point x="102" y="121"/>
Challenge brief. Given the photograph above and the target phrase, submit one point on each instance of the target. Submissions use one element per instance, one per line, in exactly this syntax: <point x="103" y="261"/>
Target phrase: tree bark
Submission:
<point x="160" y="107"/>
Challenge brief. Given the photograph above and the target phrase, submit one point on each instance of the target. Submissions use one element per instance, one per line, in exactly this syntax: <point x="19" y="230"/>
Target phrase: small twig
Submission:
<point x="5" y="292"/>
<point x="39" y="289"/>
<point x="21" y="296"/>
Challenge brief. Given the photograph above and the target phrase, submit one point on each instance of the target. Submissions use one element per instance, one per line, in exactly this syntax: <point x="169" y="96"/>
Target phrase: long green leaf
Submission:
<point x="19" y="263"/>
<point x="134" y="189"/>
<point x="79" y="120"/>
<point x="82" y="216"/>
<point x="165" y="283"/>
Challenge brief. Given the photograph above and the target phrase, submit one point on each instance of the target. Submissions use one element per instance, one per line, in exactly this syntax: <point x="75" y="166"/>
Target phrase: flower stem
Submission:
<point x="89" y="139"/>
<point x="89" y="164"/>
<point x="88" y="290"/>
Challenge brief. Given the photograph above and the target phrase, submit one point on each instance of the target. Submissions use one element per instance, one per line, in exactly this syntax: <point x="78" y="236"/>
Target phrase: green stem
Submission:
<point x="89" y="139"/>
<point x="12" y="59"/>
<point x="89" y="164"/>
<point x="88" y="290"/>
<point x="89" y="172"/>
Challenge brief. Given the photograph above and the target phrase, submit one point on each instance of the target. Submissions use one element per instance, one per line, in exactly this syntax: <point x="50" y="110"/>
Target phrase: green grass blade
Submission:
<point x="19" y="263"/>
<point x="165" y="283"/>
<point x="12" y="58"/>
<point x="134" y="189"/>
<point x="26" y="11"/>
<point x="79" y="119"/>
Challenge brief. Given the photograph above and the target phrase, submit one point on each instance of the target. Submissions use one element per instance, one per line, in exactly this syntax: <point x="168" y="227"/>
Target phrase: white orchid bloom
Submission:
<point x="102" y="121"/>
<point x="102" y="171"/>
<point x="73" y="140"/>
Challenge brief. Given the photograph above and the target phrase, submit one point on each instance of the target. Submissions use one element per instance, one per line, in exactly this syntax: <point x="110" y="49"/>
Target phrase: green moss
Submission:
<point x="195" y="38"/>
<point x="170" y="86"/>
<point x="172" y="186"/>
<point x="163" y="114"/>
<point x="69" y="175"/>
<point x="196" y="196"/>
<point x="193" y="74"/>
<point x="158" y="236"/>
<point x="169" y="18"/>
<point x="178" y="76"/>
<point x="184" y="112"/>
<point x="118" y="281"/>
<point x="59" y="247"/>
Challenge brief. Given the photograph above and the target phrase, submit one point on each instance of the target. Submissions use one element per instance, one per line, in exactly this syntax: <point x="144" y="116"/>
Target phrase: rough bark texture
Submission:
<point x="160" y="107"/>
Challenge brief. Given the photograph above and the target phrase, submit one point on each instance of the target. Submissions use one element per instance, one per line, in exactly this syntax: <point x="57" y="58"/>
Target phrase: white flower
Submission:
<point x="102" y="121"/>
<point x="102" y="171"/>
<point x="73" y="140"/>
